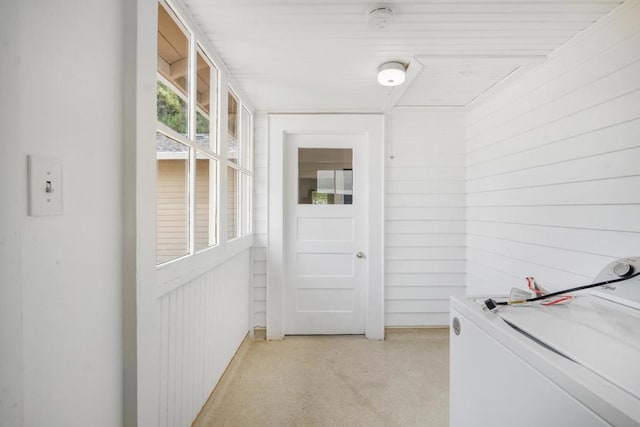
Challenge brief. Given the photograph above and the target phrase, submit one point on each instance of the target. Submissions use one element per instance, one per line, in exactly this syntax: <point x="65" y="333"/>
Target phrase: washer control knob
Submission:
<point x="623" y="269"/>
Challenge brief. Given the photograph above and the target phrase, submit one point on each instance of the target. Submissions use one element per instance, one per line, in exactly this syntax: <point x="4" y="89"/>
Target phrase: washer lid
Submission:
<point x="600" y="335"/>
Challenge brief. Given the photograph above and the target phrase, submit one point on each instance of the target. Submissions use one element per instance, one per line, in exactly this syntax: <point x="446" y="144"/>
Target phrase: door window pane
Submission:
<point x="325" y="176"/>
<point x="205" y="202"/>
<point x="171" y="90"/>
<point x="172" y="192"/>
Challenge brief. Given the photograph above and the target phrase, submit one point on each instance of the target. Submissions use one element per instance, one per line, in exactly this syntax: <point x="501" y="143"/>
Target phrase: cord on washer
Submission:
<point x="490" y="304"/>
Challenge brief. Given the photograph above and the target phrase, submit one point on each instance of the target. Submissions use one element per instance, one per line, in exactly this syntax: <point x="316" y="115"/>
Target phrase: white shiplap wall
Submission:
<point x="553" y="164"/>
<point x="260" y="205"/>
<point x="203" y="323"/>
<point x="424" y="208"/>
<point x="424" y="216"/>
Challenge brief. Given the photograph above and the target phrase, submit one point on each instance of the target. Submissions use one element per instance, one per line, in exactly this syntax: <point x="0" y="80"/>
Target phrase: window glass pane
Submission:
<point x="232" y="140"/>
<point x="246" y="136"/>
<point x="206" y="87"/>
<point x="172" y="109"/>
<point x="325" y="176"/>
<point x="205" y="202"/>
<point x="173" y="49"/>
<point x="233" y="187"/>
<point x="245" y="204"/>
<point x="172" y="191"/>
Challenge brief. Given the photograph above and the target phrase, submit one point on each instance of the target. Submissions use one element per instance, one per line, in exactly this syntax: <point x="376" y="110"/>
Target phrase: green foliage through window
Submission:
<point x="202" y="124"/>
<point x="172" y="110"/>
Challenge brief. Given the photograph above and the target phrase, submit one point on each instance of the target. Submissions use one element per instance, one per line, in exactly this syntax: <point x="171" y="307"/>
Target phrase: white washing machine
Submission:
<point x="576" y="364"/>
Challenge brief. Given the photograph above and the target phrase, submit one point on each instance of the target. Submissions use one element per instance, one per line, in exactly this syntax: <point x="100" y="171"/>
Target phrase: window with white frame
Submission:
<point x="189" y="157"/>
<point x="239" y="168"/>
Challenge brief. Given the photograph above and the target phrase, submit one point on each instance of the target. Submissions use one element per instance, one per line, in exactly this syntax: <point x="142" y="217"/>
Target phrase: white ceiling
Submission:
<point x="319" y="55"/>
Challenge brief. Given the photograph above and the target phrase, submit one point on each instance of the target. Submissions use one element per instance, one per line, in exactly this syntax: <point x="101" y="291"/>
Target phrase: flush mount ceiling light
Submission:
<point x="391" y="74"/>
<point x="379" y="17"/>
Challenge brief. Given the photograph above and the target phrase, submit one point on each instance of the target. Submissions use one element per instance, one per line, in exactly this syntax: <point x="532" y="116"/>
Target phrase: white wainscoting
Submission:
<point x="203" y="323"/>
<point x="424" y="216"/>
<point x="553" y="164"/>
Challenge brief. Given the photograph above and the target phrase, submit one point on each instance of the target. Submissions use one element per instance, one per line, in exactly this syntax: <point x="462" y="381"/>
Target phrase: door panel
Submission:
<point x="326" y="222"/>
<point x="318" y="229"/>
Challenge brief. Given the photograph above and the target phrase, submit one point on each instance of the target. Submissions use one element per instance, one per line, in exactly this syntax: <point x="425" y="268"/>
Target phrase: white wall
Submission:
<point x="12" y="190"/>
<point x="424" y="209"/>
<point x="202" y="324"/>
<point x="61" y="311"/>
<point x="553" y="164"/>
<point x="192" y="314"/>
<point x="260" y="205"/>
<point x="60" y="339"/>
<point x="551" y="168"/>
<point x="424" y="216"/>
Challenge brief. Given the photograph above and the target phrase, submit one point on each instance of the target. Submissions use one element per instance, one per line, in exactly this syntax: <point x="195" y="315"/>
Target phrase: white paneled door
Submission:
<point x="326" y="222"/>
<point x="325" y="253"/>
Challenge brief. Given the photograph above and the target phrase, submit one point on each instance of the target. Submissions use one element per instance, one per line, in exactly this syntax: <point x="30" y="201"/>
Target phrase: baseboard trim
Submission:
<point x="417" y="327"/>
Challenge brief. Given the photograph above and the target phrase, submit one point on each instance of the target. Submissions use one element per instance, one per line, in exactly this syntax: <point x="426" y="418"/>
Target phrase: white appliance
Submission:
<point x="562" y="365"/>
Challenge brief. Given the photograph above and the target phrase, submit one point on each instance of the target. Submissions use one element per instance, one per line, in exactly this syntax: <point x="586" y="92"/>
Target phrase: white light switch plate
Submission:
<point x="45" y="186"/>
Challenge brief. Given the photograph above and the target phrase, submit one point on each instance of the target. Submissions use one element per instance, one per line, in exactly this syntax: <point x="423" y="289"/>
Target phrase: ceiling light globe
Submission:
<point x="391" y="74"/>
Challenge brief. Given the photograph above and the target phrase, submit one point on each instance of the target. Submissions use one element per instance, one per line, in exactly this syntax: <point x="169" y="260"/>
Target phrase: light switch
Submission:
<point x="45" y="186"/>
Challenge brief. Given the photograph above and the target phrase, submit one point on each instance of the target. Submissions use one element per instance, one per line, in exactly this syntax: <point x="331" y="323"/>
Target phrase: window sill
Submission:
<point x="177" y="273"/>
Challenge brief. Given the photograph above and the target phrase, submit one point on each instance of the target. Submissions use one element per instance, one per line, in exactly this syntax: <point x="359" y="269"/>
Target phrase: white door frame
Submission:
<point x="373" y="126"/>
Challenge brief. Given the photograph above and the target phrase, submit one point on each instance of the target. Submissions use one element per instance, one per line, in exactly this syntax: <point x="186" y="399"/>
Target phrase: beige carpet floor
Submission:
<point x="337" y="381"/>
